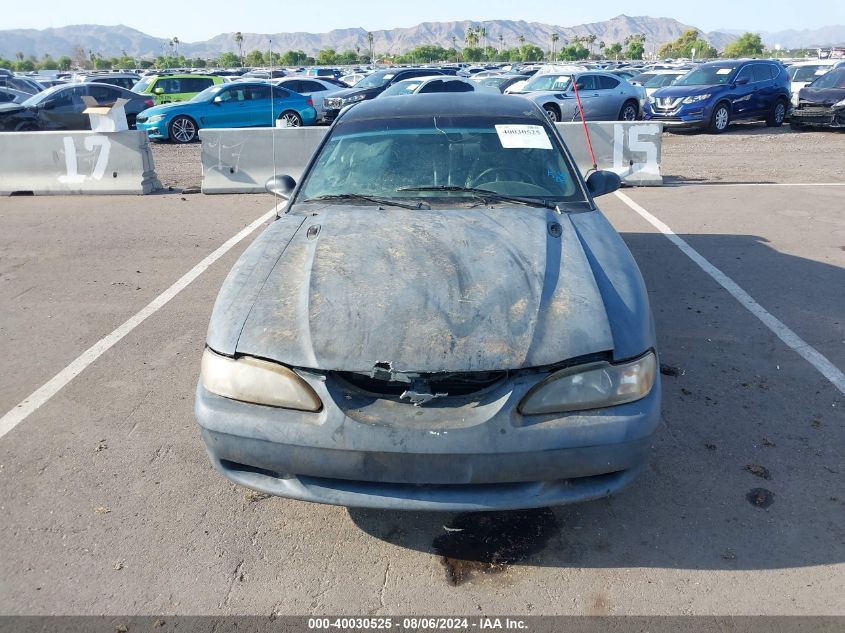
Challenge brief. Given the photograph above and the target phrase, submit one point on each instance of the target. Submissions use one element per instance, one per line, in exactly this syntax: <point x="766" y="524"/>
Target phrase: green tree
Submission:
<point x="370" y="40"/>
<point x="635" y="46"/>
<point x="747" y="45"/>
<point x="327" y="57"/>
<point x="229" y="60"/>
<point x="573" y="52"/>
<point x="145" y="64"/>
<point x="473" y="54"/>
<point x="239" y="41"/>
<point x="254" y="58"/>
<point x="614" y="49"/>
<point x="531" y="53"/>
<point x="25" y="66"/>
<point x="682" y="47"/>
<point x="555" y="38"/>
<point x="48" y="63"/>
<point x="64" y="63"/>
<point x="294" y="58"/>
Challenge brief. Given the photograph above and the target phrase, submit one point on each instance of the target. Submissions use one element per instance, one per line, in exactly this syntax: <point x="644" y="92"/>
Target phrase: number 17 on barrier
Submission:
<point x="71" y="165"/>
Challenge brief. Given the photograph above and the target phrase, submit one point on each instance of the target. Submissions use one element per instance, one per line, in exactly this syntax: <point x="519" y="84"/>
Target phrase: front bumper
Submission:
<point x="681" y="117"/>
<point x="818" y="116"/>
<point x="155" y="131"/>
<point x="370" y="452"/>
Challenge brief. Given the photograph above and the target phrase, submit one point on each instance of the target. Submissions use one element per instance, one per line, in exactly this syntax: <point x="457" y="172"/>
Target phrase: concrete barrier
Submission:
<point x="56" y="163"/>
<point x="241" y="160"/>
<point x="632" y="149"/>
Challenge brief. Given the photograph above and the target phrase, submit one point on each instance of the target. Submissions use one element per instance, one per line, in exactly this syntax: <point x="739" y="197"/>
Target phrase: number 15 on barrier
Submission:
<point x="91" y="142"/>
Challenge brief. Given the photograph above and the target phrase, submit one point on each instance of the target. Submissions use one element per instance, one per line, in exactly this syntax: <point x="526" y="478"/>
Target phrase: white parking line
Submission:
<point x="37" y="398"/>
<point x="754" y="184"/>
<point x="795" y="342"/>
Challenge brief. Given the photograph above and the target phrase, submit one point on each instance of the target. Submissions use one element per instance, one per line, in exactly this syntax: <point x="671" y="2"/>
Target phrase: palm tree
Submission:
<point x="454" y="39"/>
<point x="471" y="38"/>
<point x="521" y="44"/>
<point x="555" y="38"/>
<point x="370" y="40"/>
<point x="176" y="45"/>
<point x="592" y="40"/>
<point x="601" y="46"/>
<point x="501" y="45"/>
<point x="483" y="33"/>
<point x="239" y="40"/>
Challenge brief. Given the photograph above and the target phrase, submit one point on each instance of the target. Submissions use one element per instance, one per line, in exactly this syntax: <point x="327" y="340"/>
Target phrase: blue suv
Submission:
<point x="716" y="93"/>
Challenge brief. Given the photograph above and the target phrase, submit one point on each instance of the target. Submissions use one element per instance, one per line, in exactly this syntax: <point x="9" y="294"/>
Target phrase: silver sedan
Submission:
<point x="603" y="96"/>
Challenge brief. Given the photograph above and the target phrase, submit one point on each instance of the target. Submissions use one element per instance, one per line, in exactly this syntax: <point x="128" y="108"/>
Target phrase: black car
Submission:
<point x="61" y="107"/>
<point x="500" y="82"/>
<point x="821" y="103"/>
<point x="372" y="86"/>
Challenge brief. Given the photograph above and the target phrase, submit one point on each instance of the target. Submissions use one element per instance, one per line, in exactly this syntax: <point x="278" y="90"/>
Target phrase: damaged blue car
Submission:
<point x="441" y="319"/>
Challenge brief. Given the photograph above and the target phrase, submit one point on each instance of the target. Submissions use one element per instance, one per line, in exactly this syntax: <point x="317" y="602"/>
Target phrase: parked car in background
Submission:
<point x="124" y="80"/>
<point x="10" y="95"/>
<point x="499" y="82"/>
<point x="352" y="79"/>
<point x="821" y="103"/>
<point x="660" y="79"/>
<point x="428" y="85"/>
<point x="235" y="104"/>
<point x="603" y="96"/>
<point x="61" y="107"/>
<point x="372" y="86"/>
<point x="22" y="84"/>
<point x="441" y="319"/>
<point x="334" y="73"/>
<point x="174" y="88"/>
<point x="716" y="93"/>
<point x="316" y="88"/>
<point x="804" y="73"/>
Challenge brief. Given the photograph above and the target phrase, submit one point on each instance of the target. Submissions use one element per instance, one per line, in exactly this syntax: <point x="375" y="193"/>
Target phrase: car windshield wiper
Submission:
<point x="486" y="195"/>
<point x="357" y="196"/>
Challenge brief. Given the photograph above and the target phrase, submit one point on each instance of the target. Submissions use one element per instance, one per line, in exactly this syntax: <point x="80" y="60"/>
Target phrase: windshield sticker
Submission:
<point x="523" y="137"/>
<point x="388" y="77"/>
<point x="724" y="71"/>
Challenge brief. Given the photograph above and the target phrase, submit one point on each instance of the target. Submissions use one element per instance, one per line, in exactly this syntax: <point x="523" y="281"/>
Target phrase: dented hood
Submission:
<point x="346" y="287"/>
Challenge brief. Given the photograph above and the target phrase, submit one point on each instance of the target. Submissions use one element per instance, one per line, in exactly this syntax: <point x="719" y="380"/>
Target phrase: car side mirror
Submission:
<point x="218" y="100"/>
<point x="741" y="81"/>
<point x="159" y="91"/>
<point x="602" y="182"/>
<point x="280" y="186"/>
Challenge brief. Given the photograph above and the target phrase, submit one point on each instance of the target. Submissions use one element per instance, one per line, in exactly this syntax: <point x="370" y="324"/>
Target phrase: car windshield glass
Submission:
<point x="385" y="158"/>
<point x="706" y="76"/>
<point x="41" y="96"/>
<point x="833" y="79"/>
<point x="807" y="73"/>
<point x="660" y="80"/>
<point x="205" y="95"/>
<point x="376" y="80"/>
<point x="548" y="82"/>
<point x="402" y="88"/>
<point x="142" y="84"/>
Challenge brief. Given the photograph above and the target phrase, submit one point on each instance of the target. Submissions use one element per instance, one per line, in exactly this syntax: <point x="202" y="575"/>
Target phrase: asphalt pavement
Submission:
<point x="108" y="504"/>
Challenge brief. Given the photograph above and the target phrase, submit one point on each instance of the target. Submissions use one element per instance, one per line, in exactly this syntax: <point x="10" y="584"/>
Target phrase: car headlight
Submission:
<point x="696" y="98"/>
<point x="257" y="381"/>
<point x="839" y="104"/>
<point x="354" y="99"/>
<point x="592" y="386"/>
<point x="155" y="118"/>
<point x="649" y="99"/>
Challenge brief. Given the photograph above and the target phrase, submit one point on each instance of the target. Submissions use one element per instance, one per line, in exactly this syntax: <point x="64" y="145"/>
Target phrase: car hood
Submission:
<point x="821" y="96"/>
<point x="8" y="108"/>
<point x="349" y="287"/>
<point x="168" y="108"/>
<point x="345" y="93"/>
<point x="685" y="91"/>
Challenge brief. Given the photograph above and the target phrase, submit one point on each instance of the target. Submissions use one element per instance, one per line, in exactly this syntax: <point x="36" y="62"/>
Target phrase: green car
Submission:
<point x="173" y="88"/>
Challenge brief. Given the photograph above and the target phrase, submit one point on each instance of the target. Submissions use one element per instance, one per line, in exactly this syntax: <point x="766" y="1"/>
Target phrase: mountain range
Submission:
<point x="113" y="41"/>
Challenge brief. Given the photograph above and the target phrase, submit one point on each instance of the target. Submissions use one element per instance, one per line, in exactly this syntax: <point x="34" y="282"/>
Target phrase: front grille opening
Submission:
<point x="454" y="384"/>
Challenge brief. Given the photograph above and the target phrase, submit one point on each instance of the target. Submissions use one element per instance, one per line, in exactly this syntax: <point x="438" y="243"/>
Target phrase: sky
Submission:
<point x="189" y="22"/>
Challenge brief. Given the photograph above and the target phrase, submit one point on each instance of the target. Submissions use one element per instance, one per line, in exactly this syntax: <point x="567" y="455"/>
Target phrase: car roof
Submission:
<point x="445" y="104"/>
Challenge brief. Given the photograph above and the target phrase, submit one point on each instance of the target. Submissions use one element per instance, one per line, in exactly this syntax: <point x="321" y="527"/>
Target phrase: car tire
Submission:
<point x="629" y="112"/>
<point x="553" y="112"/>
<point x="183" y="129"/>
<point x="796" y="126"/>
<point x="778" y="114"/>
<point x="292" y="118"/>
<point x="721" y="118"/>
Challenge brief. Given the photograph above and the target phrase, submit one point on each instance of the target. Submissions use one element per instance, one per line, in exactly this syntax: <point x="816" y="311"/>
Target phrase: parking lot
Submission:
<point x="110" y="506"/>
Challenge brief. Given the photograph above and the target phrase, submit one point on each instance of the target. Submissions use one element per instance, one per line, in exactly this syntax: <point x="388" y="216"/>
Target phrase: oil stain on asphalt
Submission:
<point x="488" y="542"/>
